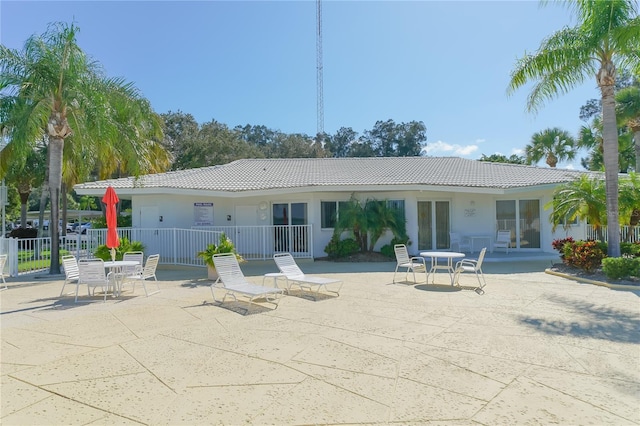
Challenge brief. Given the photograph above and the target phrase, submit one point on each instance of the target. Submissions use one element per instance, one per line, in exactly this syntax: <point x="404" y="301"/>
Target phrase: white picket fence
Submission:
<point x="625" y="234"/>
<point x="175" y="245"/>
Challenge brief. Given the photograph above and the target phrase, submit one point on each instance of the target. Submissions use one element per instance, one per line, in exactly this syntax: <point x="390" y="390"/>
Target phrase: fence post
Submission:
<point x="13" y="257"/>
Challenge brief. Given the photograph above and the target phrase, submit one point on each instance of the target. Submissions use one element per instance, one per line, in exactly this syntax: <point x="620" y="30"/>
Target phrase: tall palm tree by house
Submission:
<point x="607" y="37"/>
<point x="552" y="145"/>
<point x="52" y="88"/>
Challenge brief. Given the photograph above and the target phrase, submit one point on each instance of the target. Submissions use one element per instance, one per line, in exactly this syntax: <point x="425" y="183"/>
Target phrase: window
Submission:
<point x="328" y="214"/>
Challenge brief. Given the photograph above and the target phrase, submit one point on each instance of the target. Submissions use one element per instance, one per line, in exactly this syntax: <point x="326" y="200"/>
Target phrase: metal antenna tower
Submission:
<point x="320" y="94"/>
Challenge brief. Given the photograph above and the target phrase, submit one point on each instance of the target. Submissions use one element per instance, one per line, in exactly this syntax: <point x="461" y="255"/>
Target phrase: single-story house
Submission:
<point x="295" y="200"/>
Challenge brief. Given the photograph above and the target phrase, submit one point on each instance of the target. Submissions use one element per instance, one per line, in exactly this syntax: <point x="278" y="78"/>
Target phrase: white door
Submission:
<point x="149" y="217"/>
<point x="247" y="230"/>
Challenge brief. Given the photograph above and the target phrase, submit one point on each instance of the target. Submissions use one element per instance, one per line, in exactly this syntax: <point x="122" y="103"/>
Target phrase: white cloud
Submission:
<point x="440" y="148"/>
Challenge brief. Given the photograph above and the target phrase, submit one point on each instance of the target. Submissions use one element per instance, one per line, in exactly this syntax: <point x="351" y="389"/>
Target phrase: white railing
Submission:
<point x="625" y="233"/>
<point x="180" y="246"/>
<point x="175" y="245"/>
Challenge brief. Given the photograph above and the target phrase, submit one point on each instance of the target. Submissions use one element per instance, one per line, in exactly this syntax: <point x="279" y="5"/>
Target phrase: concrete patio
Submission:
<point x="534" y="349"/>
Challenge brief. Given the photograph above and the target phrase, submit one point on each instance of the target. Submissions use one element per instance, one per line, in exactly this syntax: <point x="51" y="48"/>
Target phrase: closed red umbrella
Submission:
<point x="110" y="200"/>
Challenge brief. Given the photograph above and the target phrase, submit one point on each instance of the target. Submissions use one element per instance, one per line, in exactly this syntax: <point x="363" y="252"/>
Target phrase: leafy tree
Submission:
<point x="179" y="129"/>
<point x="51" y="87"/>
<point x="339" y="144"/>
<point x="499" y="158"/>
<point x="295" y="145"/>
<point x="552" y="145"/>
<point x="607" y="35"/>
<point x="389" y="139"/>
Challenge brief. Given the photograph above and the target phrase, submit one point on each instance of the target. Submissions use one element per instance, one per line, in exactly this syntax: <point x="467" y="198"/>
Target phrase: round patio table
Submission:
<point x="447" y="256"/>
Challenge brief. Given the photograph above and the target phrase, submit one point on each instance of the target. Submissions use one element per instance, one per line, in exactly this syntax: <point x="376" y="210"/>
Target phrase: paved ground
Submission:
<point x="534" y="349"/>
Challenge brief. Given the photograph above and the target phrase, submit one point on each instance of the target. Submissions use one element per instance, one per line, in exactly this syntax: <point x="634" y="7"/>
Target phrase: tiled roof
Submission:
<point x="267" y="174"/>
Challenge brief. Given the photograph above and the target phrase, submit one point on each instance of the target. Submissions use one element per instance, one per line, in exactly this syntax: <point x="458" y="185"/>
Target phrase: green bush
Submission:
<point x="225" y="245"/>
<point x="341" y="248"/>
<point x="103" y="252"/>
<point x="585" y="255"/>
<point x="387" y="249"/>
<point x="618" y="268"/>
<point x="630" y="249"/>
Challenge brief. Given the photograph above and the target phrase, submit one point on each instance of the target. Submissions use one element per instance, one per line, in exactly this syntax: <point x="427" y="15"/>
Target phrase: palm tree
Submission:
<point x="606" y="38"/>
<point x="368" y="221"/>
<point x="551" y="144"/>
<point x="628" y="114"/>
<point x="52" y="88"/>
<point x="591" y="139"/>
<point x="582" y="199"/>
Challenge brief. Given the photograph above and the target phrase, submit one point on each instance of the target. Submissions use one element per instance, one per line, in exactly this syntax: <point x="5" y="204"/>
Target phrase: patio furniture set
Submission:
<point x="418" y="264"/>
<point x="93" y="273"/>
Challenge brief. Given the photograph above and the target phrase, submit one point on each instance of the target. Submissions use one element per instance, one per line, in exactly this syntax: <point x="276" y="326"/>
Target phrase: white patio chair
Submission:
<point x="403" y="260"/>
<point x="472" y="265"/>
<point x="132" y="273"/>
<point x="459" y="242"/>
<point x="146" y="272"/>
<point x="3" y="261"/>
<point x="290" y="269"/>
<point x="503" y="240"/>
<point x="92" y="273"/>
<point x="232" y="280"/>
<point x="70" y="266"/>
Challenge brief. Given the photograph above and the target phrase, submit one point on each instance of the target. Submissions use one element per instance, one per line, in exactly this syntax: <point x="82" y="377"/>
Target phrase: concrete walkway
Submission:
<point x="534" y="349"/>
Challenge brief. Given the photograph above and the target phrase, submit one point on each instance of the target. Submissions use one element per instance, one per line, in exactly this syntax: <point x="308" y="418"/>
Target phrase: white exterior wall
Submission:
<point x="471" y="213"/>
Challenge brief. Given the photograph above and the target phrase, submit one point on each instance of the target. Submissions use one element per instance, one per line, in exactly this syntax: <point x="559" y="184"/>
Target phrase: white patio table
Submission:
<point x="117" y="267"/>
<point x="448" y="256"/>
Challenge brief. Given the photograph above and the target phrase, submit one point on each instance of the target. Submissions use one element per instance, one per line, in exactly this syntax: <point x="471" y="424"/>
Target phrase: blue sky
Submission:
<point x="444" y="63"/>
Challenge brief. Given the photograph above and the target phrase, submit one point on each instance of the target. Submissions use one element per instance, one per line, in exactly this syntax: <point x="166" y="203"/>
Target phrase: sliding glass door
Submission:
<point x="522" y="218"/>
<point x="433" y="225"/>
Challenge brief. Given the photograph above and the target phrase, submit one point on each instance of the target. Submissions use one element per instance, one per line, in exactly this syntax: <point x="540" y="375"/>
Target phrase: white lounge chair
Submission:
<point x="289" y="268"/>
<point x="403" y="260"/>
<point x="472" y="265"/>
<point x="232" y="280"/>
<point x="70" y="266"/>
<point x="459" y="242"/>
<point x="503" y="240"/>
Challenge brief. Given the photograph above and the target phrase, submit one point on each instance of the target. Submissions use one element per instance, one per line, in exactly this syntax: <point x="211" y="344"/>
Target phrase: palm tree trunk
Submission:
<point x="610" y="157"/>
<point x="636" y="138"/>
<point x="56" y="145"/>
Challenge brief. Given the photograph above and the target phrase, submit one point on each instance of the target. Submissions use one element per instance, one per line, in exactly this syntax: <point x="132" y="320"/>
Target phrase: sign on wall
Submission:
<point x="203" y="214"/>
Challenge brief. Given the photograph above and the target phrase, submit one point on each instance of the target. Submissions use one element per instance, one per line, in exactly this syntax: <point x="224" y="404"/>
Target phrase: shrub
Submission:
<point x="103" y="252"/>
<point x="341" y="248"/>
<point x="225" y="245"/>
<point x="630" y="249"/>
<point x="585" y="255"/>
<point x="617" y="268"/>
<point x="559" y="245"/>
<point x="387" y="249"/>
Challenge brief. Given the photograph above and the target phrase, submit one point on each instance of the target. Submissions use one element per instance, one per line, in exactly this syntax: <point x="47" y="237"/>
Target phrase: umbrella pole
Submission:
<point x="113" y="254"/>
